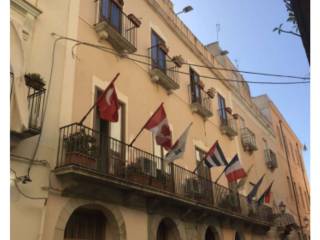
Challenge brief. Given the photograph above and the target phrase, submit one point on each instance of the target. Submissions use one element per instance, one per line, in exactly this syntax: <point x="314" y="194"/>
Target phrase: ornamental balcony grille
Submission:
<point x="89" y="164"/>
<point x="248" y="140"/>
<point x="228" y="124"/>
<point x="271" y="159"/>
<point x="200" y="102"/>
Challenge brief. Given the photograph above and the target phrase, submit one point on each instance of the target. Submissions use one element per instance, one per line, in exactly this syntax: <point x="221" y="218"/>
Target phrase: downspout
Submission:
<point x="293" y="187"/>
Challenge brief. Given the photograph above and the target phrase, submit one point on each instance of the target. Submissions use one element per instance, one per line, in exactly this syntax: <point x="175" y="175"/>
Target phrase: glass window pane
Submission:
<point x="115" y="17"/>
<point x="105" y="4"/>
<point x="116" y="127"/>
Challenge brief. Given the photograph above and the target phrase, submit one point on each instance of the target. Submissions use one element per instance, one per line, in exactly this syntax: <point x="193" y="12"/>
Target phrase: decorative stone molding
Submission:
<point x="25" y="7"/>
<point x="153" y="223"/>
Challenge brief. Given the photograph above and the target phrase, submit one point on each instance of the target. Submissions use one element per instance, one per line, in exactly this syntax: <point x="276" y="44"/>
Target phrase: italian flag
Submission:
<point x="266" y="196"/>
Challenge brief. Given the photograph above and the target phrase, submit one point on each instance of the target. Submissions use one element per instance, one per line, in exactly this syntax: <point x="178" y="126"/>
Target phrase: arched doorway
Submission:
<point x="238" y="236"/>
<point x="90" y="223"/>
<point x="211" y="234"/>
<point x="86" y="224"/>
<point x="167" y="230"/>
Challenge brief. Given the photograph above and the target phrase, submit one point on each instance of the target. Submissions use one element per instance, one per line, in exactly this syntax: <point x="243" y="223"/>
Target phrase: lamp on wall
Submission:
<point x="185" y="10"/>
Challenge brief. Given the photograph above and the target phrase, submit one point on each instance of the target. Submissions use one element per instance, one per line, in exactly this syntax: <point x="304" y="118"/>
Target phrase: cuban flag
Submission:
<point x="215" y="157"/>
<point x="234" y="170"/>
<point x="179" y="147"/>
<point x="159" y="126"/>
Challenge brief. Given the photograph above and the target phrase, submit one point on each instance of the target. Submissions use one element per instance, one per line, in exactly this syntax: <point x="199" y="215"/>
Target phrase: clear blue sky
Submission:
<point x="246" y="32"/>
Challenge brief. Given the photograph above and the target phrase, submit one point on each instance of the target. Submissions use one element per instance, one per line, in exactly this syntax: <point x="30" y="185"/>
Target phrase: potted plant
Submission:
<point x="201" y="84"/>
<point x="163" y="47"/>
<point x="34" y="80"/>
<point x="178" y="61"/>
<point x="235" y="116"/>
<point x="136" y="174"/>
<point x="229" y="110"/>
<point x="211" y="92"/>
<point x="81" y="149"/>
<point x="136" y="22"/>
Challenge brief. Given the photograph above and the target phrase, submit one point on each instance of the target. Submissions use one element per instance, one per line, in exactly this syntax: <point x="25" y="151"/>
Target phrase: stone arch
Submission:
<point x="155" y="221"/>
<point x="214" y="228"/>
<point x="238" y="235"/>
<point x="111" y="212"/>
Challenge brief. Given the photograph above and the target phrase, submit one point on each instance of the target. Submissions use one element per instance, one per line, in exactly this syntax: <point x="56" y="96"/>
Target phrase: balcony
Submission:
<point x="200" y="102"/>
<point x="89" y="170"/>
<point x="271" y="159"/>
<point x="35" y="106"/>
<point x="248" y="140"/>
<point x="163" y="70"/>
<point x="228" y="124"/>
<point x="117" y="28"/>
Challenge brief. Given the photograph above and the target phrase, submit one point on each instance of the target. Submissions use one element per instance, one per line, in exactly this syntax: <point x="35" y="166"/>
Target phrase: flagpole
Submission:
<point x="221" y="174"/>
<point x="135" y="138"/>
<point x="198" y="165"/>
<point x="93" y="106"/>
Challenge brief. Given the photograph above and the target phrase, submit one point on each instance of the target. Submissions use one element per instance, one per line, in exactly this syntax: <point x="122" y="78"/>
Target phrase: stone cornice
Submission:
<point x="26" y="7"/>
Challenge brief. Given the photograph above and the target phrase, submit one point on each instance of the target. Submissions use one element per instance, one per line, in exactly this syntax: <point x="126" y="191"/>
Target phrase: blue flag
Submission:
<point x="254" y="190"/>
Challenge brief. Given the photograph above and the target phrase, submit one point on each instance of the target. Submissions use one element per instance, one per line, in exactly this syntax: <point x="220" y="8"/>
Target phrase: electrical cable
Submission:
<point x="21" y="192"/>
<point x="103" y="48"/>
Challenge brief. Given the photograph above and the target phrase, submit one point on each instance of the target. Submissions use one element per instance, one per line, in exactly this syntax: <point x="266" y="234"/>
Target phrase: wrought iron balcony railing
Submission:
<point x="271" y="159"/>
<point x="200" y="101"/>
<point x="116" y="27"/>
<point x="84" y="148"/>
<point x="36" y="107"/>
<point x="162" y="69"/>
<point x="228" y="124"/>
<point x="248" y="140"/>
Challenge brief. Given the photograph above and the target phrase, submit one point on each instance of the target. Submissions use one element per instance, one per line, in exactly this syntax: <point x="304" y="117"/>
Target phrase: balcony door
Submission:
<point x="195" y="86"/>
<point x="222" y="108"/>
<point x="158" y="56"/>
<point x="202" y="170"/>
<point x="111" y="11"/>
<point x="110" y="141"/>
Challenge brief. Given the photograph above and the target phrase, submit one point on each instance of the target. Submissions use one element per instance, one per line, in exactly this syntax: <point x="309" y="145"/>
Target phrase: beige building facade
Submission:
<point x="85" y="181"/>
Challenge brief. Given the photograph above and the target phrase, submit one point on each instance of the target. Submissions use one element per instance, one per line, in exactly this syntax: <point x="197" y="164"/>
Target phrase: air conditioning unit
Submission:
<point x="193" y="186"/>
<point x="148" y="166"/>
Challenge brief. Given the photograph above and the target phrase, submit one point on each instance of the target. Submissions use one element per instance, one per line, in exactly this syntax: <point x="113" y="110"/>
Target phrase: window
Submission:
<point x="289" y="187"/>
<point x="195" y="86"/>
<point x="111" y="12"/>
<point x="158" y="55"/>
<point x="242" y="123"/>
<point x="160" y="152"/>
<point x="202" y="170"/>
<point x="280" y="138"/>
<point x="111" y="136"/>
<point x="292" y="153"/>
<point x="222" y="107"/>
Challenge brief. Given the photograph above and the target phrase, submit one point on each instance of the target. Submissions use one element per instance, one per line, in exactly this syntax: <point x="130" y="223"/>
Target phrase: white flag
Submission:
<point x="178" y="148"/>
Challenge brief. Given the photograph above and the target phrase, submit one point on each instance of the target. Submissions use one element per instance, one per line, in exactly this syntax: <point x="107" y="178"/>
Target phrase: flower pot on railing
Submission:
<point x="228" y="110"/>
<point x="119" y="3"/>
<point x="135" y="174"/>
<point x="164" y="48"/>
<point x="178" y="61"/>
<point x="201" y="84"/>
<point x="34" y="80"/>
<point x="235" y="116"/>
<point x="136" y="22"/>
<point x="81" y="149"/>
<point x="211" y="92"/>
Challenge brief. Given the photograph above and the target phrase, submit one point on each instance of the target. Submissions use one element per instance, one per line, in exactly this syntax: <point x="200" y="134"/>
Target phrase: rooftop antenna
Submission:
<point x="237" y="63"/>
<point x="218" y="30"/>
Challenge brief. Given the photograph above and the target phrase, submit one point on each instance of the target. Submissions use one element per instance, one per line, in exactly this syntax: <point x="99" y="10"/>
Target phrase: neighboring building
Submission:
<point x="87" y="182"/>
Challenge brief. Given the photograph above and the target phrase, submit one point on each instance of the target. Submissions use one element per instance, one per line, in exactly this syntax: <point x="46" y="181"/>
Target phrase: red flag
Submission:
<point x="108" y="104"/>
<point x="159" y="126"/>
